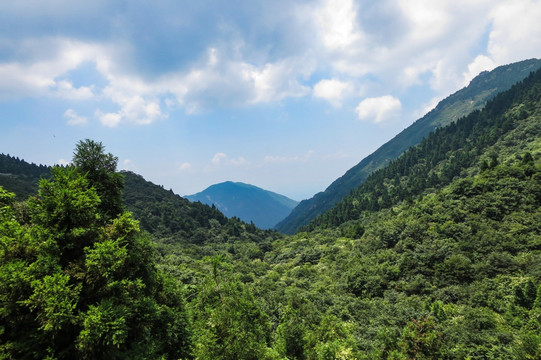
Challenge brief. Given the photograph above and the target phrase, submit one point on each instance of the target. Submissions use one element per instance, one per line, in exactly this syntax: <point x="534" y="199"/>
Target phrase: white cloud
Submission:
<point x="221" y="162"/>
<point x="239" y="161"/>
<point x="134" y="108"/>
<point x="225" y="82"/>
<point x="379" y="109"/>
<point x="128" y="164"/>
<point x="66" y="90"/>
<point x="428" y="20"/>
<point x="273" y="159"/>
<point x="108" y="119"/>
<point x="516" y="31"/>
<point x="332" y="90"/>
<point x="479" y="64"/>
<point x="222" y="159"/>
<point x="17" y="80"/>
<point x="62" y="162"/>
<point x="389" y="45"/>
<point x="73" y="118"/>
<point x="337" y="23"/>
<point x="186" y="166"/>
<point x="48" y="60"/>
<point x="218" y="158"/>
<point x="276" y="81"/>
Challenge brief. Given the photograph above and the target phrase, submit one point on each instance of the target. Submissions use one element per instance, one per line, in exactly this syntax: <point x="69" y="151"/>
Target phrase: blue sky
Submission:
<point x="285" y="95"/>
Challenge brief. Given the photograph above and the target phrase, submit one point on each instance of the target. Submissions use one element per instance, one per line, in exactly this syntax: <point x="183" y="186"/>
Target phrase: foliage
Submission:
<point x="441" y="262"/>
<point x="228" y="323"/>
<point x="447" y="153"/>
<point x="75" y="286"/>
<point x="100" y="169"/>
<point x="20" y="177"/>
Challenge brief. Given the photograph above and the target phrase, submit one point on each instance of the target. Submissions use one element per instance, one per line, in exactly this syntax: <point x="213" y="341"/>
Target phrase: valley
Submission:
<point x="434" y="254"/>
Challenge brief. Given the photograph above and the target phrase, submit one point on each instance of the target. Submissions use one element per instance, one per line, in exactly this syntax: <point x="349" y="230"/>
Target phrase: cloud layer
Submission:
<point x="140" y="60"/>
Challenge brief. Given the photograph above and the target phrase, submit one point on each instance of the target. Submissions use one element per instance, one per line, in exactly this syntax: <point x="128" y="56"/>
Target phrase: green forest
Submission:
<point x="435" y="256"/>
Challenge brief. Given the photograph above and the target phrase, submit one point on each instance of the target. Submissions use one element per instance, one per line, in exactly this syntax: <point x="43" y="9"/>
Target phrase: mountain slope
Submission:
<point x="435" y="256"/>
<point x="247" y="202"/>
<point x="168" y="217"/>
<point x="482" y="88"/>
<point x="20" y="177"/>
<point x="509" y="124"/>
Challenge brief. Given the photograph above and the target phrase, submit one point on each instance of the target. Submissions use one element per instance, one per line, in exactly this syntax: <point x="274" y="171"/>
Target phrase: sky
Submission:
<point x="286" y="95"/>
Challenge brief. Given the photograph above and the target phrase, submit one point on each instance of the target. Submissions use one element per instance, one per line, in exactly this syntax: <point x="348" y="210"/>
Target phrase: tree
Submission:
<point x="100" y="170"/>
<point x="228" y="323"/>
<point x="291" y="333"/>
<point x="75" y="287"/>
<point x="420" y="339"/>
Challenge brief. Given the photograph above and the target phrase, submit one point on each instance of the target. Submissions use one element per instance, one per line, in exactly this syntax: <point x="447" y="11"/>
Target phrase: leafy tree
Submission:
<point x="74" y="287"/>
<point x="291" y="335"/>
<point x="333" y="339"/>
<point x="420" y="339"/>
<point x="228" y="323"/>
<point x="100" y="169"/>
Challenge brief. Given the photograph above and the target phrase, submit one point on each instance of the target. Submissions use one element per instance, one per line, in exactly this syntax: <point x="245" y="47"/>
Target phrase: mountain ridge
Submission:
<point x="481" y="89"/>
<point x="458" y="149"/>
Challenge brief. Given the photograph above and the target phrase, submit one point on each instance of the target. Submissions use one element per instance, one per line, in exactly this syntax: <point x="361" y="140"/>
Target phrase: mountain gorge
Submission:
<point x="482" y="88"/>
<point x="247" y="202"/>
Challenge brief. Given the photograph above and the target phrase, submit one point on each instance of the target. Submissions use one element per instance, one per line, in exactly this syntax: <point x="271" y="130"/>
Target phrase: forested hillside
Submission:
<point x="507" y="124"/>
<point x="162" y="213"/>
<point x="20" y="177"/>
<point x="481" y="89"/>
<point x="448" y="271"/>
<point x="434" y="257"/>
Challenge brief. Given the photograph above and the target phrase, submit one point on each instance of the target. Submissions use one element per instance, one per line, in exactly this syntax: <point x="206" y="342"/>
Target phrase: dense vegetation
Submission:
<point x="167" y="216"/>
<point x="77" y="279"/>
<point x="439" y="262"/>
<point x="473" y="97"/>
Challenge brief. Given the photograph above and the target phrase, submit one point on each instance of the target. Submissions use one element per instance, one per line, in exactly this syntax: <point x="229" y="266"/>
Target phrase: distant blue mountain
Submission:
<point x="247" y="202"/>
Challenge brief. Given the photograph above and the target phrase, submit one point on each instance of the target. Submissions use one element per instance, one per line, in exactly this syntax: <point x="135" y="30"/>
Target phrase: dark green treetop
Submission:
<point x="100" y="169"/>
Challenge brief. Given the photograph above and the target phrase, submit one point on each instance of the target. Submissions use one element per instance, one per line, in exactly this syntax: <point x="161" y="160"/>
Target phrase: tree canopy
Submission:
<point x="99" y="168"/>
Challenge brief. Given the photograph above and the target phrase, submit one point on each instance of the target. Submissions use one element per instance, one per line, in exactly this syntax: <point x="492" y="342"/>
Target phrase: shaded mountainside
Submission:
<point x="174" y="219"/>
<point x="247" y="202"/>
<point x="21" y="177"/>
<point x="160" y="212"/>
<point x="481" y="89"/>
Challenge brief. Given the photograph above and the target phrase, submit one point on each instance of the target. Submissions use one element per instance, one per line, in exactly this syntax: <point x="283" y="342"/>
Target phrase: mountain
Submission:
<point x="508" y="124"/>
<point x="21" y="177"/>
<point x="169" y="217"/>
<point x="473" y="97"/>
<point x="435" y="256"/>
<point x="247" y="202"/>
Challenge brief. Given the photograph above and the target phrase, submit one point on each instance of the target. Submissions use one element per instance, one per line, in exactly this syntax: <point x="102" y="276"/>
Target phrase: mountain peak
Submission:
<point x="247" y="202"/>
